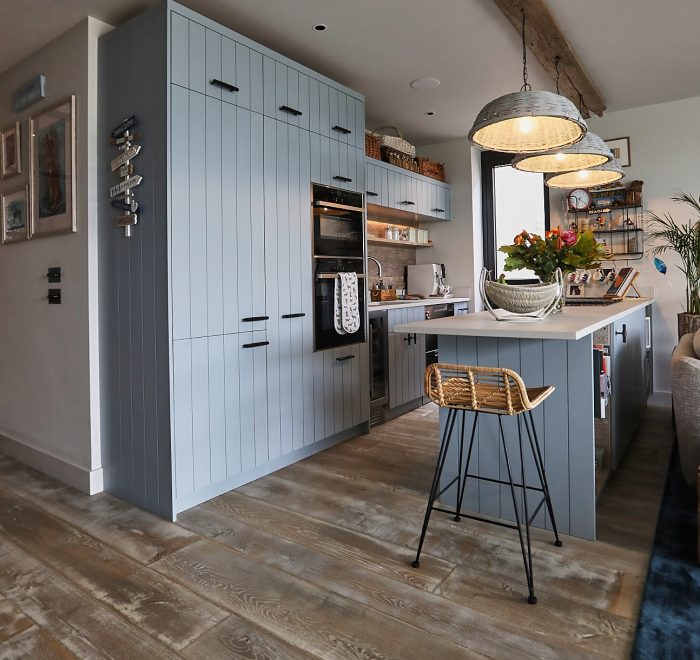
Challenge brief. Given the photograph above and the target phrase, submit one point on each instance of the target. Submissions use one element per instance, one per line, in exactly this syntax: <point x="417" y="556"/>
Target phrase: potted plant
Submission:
<point x="566" y="250"/>
<point x="684" y="240"/>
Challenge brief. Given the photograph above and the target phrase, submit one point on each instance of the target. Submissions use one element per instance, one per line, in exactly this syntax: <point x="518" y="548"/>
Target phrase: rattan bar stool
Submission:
<point x="492" y="391"/>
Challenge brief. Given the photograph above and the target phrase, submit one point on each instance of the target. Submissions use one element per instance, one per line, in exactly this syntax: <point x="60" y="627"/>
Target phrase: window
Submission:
<point x="512" y="201"/>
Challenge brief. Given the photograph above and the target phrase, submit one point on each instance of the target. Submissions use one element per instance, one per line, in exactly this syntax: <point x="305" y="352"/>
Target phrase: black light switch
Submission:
<point x="54" y="296"/>
<point x="54" y="274"/>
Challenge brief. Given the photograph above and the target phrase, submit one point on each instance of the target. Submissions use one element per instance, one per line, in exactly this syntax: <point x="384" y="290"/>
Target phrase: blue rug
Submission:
<point x="669" y="620"/>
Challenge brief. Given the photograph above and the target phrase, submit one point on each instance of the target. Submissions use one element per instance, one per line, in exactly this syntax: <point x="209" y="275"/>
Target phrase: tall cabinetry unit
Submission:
<point x="210" y="377"/>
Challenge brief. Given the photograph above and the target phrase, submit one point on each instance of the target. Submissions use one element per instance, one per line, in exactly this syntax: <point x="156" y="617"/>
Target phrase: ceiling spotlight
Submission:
<point x="320" y="27"/>
<point x="430" y="113"/>
<point x="425" y="83"/>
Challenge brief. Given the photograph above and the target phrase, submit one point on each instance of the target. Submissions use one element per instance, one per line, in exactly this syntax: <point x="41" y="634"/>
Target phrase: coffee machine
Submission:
<point x="427" y="280"/>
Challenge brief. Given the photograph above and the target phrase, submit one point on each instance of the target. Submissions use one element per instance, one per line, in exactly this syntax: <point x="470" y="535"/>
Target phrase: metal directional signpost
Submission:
<point x="122" y="193"/>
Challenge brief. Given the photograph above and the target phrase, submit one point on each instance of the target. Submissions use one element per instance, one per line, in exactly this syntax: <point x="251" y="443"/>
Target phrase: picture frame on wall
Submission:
<point x="10" y="152"/>
<point x="14" y="207"/>
<point x="52" y="184"/>
<point x="620" y="148"/>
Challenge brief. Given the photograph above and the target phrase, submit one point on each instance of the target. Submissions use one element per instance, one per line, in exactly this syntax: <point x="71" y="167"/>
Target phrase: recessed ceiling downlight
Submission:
<point x="425" y="83"/>
<point x="430" y="113"/>
<point x="320" y="27"/>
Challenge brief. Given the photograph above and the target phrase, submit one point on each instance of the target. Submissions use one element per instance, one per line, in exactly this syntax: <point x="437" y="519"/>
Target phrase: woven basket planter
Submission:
<point x="521" y="298"/>
<point x="373" y="145"/>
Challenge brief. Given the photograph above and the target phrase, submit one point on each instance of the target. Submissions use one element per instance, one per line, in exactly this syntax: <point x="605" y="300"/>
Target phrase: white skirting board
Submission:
<point x="84" y="479"/>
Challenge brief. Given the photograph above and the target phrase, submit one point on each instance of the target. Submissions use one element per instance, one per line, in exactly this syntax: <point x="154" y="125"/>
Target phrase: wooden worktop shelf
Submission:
<point x="390" y="241"/>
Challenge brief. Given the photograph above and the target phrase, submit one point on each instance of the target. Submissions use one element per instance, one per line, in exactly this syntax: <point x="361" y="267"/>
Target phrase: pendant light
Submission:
<point x="587" y="152"/>
<point x="527" y="121"/>
<point x="591" y="176"/>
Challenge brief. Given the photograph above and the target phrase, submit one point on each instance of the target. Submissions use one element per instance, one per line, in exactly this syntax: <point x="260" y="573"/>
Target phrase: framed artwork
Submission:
<point x="15" y="215"/>
<point x="10" y="152"/>
<point x="620" y="148"/>
<point x="52" y="170"/>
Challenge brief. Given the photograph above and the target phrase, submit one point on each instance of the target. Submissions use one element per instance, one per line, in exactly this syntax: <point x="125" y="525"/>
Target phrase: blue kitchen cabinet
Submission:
<point x="403" y="190"/>
<point x="211" y="375"/>
<point x="406" y="358"/>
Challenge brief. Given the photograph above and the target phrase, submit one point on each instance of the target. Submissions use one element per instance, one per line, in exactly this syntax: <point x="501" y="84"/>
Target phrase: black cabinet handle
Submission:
<point x="438" y="210"/>
<point x="255" y="344"/>
<point x="252" y="319"/>
<point x="341" y="129"/>
<point x="227" y="86"/>
<point x="411" y="338"/>
<point x="338" y="177"/>
<point x="343" y="359"/>
<point x="371" y="194"/>
<point x="623" y="333"/>
<point x="408" y="203"/>
<point x="291" y="111"/>
<point x="293" y="316"/>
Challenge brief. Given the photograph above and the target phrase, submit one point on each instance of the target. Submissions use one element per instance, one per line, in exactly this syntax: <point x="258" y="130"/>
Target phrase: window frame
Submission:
<point x="489" y="161"/>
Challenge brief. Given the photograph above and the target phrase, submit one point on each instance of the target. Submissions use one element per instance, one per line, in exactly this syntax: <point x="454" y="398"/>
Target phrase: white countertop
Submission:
<point x="423" y="302"/>
<point x="573" y="322"/>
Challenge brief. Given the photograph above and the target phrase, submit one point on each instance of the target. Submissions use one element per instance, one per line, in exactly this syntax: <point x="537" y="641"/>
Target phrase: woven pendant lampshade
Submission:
<point x="588" y="152"/>
<point x="592" y="176"/>
<point x="528" y="122"/>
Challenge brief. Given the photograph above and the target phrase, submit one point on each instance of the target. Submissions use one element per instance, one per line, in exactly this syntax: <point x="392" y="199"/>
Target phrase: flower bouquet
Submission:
<point x="567" y="250"/>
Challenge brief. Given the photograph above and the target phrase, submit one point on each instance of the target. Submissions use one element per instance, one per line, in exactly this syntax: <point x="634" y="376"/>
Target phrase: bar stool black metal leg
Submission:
<point x="466" y="469"/>
<point x="528" y="576"/>
<point x="537" y="455"/>
<point x="444" y="446"/>
<point x="526" y="512"/>
<point x="459" y="465"/>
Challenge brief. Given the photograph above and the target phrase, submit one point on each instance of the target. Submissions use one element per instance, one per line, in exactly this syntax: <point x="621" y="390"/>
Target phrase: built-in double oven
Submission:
<point x="338" y="246"/>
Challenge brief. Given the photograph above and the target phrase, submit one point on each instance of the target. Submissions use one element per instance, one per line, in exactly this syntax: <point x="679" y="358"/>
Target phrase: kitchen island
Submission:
<point x="557" y="351"/>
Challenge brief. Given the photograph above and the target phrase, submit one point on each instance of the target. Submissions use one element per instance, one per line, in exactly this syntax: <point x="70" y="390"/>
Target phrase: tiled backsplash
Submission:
<point x="394" y="260"/>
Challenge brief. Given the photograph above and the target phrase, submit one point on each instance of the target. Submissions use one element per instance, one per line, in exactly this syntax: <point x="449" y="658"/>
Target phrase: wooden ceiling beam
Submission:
<point x="546" y="42"/>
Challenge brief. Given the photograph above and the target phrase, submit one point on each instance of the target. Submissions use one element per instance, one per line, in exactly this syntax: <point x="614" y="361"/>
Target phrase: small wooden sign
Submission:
<point x="123" y="205"/>
<point x="126" y="170"/>
<point x="128" y="123"/>
<point x="127" y="154"/>
<point x="128" y="184"/>
<point x="126" y="220"/>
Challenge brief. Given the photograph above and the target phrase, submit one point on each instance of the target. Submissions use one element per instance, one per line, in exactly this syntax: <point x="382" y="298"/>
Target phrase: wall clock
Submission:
<point x="579" y="200"/>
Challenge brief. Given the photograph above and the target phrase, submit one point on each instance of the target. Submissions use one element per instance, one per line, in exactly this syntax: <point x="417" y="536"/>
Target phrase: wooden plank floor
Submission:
<point x="314" y="562"/>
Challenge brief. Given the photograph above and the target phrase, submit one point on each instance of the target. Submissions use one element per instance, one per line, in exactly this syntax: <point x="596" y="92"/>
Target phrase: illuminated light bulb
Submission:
<point x="583" y="175"/>
<point x="559" y="157"/>
<point x="525" y="124"/>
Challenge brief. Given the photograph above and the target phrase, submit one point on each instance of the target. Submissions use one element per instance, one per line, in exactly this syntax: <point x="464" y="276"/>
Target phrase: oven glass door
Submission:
<point x="338" y="232"/>
<point x="325" y="334"/>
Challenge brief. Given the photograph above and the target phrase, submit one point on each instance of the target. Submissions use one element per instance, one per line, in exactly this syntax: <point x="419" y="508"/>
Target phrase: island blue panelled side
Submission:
<point x="213" y="380"/>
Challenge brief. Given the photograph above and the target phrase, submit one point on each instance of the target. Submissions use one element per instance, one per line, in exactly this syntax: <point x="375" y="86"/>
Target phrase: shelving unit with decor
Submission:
<point x="377" y="230"/>
<point x="617" y="224"/>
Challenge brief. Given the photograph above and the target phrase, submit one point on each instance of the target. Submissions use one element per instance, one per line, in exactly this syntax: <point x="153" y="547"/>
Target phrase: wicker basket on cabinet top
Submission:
<point x="431" y="168"/>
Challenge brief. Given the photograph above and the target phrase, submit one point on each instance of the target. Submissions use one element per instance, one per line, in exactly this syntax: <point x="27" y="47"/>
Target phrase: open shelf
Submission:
<point x="390" y="241"/>
<point x="616" y="231"/>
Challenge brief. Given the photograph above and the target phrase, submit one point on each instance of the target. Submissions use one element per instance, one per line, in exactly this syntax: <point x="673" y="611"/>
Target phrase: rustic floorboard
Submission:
<point x="314" y="562"/>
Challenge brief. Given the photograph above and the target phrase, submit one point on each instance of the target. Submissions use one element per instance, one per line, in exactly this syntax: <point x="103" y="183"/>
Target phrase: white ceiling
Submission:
<point x="638" y="52"/>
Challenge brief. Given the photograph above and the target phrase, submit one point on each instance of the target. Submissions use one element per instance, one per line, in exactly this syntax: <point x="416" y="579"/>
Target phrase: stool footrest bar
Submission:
<point x="503" y="483"/>
<point x="479" y="518"/>
<point x="537" y="510"/>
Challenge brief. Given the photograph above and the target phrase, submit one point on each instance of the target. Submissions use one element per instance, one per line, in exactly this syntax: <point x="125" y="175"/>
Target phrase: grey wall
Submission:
<point x="664" y="148"/>
<point x="49" y="380"/>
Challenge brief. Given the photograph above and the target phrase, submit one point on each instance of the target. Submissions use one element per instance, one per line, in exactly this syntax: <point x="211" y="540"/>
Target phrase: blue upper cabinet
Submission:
<point x="217" y="62"/>
<point x="396" y="188"/>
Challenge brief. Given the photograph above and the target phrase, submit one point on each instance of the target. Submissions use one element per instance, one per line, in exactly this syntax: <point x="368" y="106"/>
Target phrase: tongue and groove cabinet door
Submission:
<point x="406" y="358"/>
<point x="289" y="290"/>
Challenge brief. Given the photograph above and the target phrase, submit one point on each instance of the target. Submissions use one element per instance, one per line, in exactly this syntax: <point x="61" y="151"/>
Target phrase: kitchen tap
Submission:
<point x="379" y="266"/>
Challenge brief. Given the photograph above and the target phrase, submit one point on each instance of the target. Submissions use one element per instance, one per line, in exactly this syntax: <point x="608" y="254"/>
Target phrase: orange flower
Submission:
<point x="519" y="239"/>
